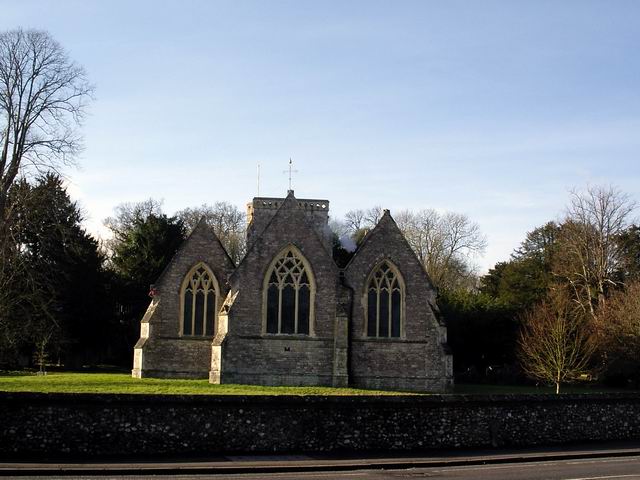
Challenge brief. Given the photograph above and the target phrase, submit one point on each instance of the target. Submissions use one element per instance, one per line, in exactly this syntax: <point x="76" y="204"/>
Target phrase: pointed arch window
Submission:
<point x="289" y="293"/>
<point x="385" y="302"/>
<point x="199" y="298"/>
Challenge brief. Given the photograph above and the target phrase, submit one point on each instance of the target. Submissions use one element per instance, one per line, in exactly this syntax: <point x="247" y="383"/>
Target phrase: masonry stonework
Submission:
<point x="162" y="351"/>
<point x="335" y="349"/>
<point x="418" y="360"/>
<point x="88" y="425"/>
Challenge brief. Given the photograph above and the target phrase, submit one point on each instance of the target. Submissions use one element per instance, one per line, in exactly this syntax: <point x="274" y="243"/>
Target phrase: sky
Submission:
<point x="493" y="109"/>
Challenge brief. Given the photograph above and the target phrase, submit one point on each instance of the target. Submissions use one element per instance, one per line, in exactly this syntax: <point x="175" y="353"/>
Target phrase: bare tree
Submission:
<point x="554" y="345"/>
<point x="227" y="221"/>
<point x="444" y="243"/>
<point x="43" y="95"/>
<point x="372" y="216"/>
<point x="358" y="221"/>
<point x="42" y="341"/>
<point x="589" y="240"/>
<point x="618" y="332"/>
<point x="128" y="213"/>
<point x="354" y="220"/>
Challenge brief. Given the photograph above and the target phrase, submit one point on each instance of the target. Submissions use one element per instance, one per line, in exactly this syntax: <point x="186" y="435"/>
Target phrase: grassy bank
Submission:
<point x="123" y="383"/>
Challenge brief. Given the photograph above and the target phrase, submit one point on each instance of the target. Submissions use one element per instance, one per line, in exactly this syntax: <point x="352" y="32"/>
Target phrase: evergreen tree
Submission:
<point x="147" y="248"/>
<point x="483" y="325"/>
<point x="526" y="277"/>
<point x="629" y="242"/>
<point x="143" y="247"/>
<point x="59" y="285"/>
<point x="482" y="333"/>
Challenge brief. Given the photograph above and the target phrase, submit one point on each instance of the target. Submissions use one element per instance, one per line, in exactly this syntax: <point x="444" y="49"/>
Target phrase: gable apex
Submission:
<point x="292" y="213"/>
<point x="202" y="225"/>
<point x="290" y="200"/>
<point x="388" y="226"/>
<point x="261" y="210"/>
<point x="203" y="233"/>
<point x="385" y="221"/>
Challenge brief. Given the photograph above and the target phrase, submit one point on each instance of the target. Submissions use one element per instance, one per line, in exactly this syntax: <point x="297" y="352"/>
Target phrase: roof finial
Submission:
<point x="290" y="171"/>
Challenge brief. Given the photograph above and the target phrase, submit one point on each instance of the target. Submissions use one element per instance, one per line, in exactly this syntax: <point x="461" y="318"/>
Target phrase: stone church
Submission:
<point x="288" y="315"/>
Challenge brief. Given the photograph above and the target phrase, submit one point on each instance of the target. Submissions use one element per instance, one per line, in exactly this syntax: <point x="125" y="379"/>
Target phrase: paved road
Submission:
<point x="627" y="468"/>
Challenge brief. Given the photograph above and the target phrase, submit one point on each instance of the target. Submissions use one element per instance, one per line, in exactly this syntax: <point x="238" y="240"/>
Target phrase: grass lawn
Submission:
<point x="72" y="382"/>
<point x="81" y="382"/>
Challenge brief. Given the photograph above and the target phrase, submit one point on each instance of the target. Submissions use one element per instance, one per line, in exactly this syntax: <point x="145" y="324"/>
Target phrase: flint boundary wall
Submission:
<point x="95" y="424"/>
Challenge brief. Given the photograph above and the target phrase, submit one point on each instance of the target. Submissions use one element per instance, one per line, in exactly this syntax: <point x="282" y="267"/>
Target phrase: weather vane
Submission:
<point x="290" y="171"/>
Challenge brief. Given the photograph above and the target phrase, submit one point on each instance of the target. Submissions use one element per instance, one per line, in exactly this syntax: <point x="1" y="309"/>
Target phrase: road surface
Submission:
<point x="608" y="468"/>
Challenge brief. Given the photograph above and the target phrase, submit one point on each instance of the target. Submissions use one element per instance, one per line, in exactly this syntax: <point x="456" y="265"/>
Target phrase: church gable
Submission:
<point x="184" y="307"/>
<point x="387" y="240"/>
<point x="287" y="315"/>
<point x="201" y="265"/>
<point x="397" y="340"/>
<point x="289" y="231"/>
<point x="202" y="246"/>
<point x="385" y="264"/>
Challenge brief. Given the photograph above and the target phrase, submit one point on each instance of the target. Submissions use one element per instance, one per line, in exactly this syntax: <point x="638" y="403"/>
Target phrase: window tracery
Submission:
<point x="289" y="294"/>
<point x="199" y="298"/>
<point x="385" y="302"/>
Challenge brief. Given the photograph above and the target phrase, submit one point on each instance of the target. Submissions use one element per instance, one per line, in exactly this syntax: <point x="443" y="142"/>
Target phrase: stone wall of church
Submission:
<point x="163" y="352"/>
<point x="164" y="357"/>
<point x="398" y="365"/>
<point x="280" y="360"/>
<point x="259" y="212"/>
<point x="249" y="355"/>
<point x="417" y="360"/>
<point x="85" y="424"/>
